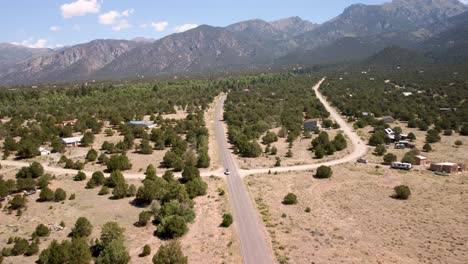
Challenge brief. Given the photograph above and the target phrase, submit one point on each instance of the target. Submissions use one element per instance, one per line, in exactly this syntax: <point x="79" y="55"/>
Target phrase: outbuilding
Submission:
<point x="311" y="124"/>
<point x="420" y="160"/>
<point x="72" y="141"/>
<point x="43" y="151"/>
<point x="447" y="167"/>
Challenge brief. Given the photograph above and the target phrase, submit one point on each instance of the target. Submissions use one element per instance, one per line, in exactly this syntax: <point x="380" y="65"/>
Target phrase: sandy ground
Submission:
<point x="301" y="153"/>
<point x="443" y="151"/>
<point x="353" y="218"/>
<point x="205" y="240"/>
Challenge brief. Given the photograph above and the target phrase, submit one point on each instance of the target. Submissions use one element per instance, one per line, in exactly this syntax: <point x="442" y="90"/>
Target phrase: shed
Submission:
<point x="420" y="160"/>
<point x="72" y="141"/>
<point x="447" y="167"/>
<point x="311" y="124"/>
<point x="43" y="151"/>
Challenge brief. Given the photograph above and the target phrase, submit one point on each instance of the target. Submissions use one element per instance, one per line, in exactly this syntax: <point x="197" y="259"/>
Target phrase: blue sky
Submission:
<point x="53" y="23"/>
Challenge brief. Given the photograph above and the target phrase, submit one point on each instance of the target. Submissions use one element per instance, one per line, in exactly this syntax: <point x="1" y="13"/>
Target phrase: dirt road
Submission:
<point x="359" y="147"/>
<point x="254" y="246"/>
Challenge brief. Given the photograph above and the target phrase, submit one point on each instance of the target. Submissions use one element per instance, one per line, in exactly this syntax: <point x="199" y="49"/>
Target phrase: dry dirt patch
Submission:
<point x="205" y="240"/>
<point x="353" y="219"/>
<point x="301" y="153"/>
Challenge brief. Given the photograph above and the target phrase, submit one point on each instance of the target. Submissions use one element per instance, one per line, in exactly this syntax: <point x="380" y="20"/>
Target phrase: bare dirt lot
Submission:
<point x="301" y="153"/>
<point x="205" y="240"/>
<point x="354" y="219"/>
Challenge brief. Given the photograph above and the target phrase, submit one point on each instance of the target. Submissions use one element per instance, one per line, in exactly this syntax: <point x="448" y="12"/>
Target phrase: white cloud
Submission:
<point x="54" y="28"/>
<point x="159" y="26"/>
<point x="464" y="1"/>
<point x="76" y="27"/>
<point x="80" y="8"/>
<point x="185" y="27"/>
<point x="40" y="43"/>
<point x="117" y="19"/>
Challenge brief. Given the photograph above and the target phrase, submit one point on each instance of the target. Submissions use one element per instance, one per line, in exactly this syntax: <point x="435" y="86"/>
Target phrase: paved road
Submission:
<point x="254" y="246"/>
<point x="359" y="147"/>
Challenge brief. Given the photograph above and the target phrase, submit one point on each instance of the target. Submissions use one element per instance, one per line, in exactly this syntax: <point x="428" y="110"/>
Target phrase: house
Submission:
<point x="420" y="160"/>
<point x="72" y="141"/>
<point x="390" y="133"/>
<point x="43" y="151"/>
<point x="447" y="167"/>
<point x="387" y="119"/>
<point x="142" y="123"/>
<point x="312" y="124"/>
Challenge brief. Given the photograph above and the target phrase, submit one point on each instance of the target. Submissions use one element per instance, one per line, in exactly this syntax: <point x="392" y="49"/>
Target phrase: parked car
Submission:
<point x="361" y="160"/>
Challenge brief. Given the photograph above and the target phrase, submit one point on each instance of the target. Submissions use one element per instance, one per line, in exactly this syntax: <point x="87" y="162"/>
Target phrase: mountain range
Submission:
<point x="437" y="29"/>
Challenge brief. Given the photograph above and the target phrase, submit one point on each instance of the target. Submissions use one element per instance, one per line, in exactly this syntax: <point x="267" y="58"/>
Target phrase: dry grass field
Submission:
<point x="354" y="219"/>
<point x="301" y="153"/>
<point x="205" y="240"/>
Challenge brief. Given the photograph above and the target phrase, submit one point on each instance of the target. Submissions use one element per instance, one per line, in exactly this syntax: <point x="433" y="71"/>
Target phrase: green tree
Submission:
<point x="402" y="192"/>
<point x="172" y="227"/>
<point x="170" y="253"/>
<point x="227" y="220"/>
<point x="80" y="176"/>
<point x="380" y="150"/>
<point x="290" y="198"/>
<point x="87" y="140"/>
<point x="319" y="152"/>
<point x="111" y="231"/>
<point x="83" y="228"/>
<point x="46" y="195"/>
<point x="115" y="178"/>
<point x="18" y="202"/>
<point x="389" y="158"/>
<point x="196" y="187"/>
<point x="42" y="230"/>
<point x="114" y="252"/>
<point x="411" y="136"/>
<point x="190" y="173"/>
<point x="60" y="195"/>
<point x="91" y="155"/>
<point x="118" y="162"/>
<point x="203" y="159"/>
<point x="120" y="190"/>
<point x="427" y="147"/>
<point x="104" y="190"/>
<point x="144" y="217"/>
<point x="323" y="172"/>
<point x="269" y="138"/>
<point x="146" y="251"/>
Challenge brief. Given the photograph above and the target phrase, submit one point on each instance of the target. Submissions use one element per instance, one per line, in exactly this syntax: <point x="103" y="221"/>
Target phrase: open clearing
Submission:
<point x="302" y="154"/>
<point x="353" y="218"/>
<point x="205" y="240"/>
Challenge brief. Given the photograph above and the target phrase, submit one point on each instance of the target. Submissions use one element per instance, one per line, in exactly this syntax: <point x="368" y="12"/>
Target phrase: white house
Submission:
<point x="43" y="151"/>
<point x="72" y="141"/>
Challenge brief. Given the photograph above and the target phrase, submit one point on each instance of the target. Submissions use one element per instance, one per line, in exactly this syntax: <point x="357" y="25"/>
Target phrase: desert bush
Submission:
<point x="402" y="192"/>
